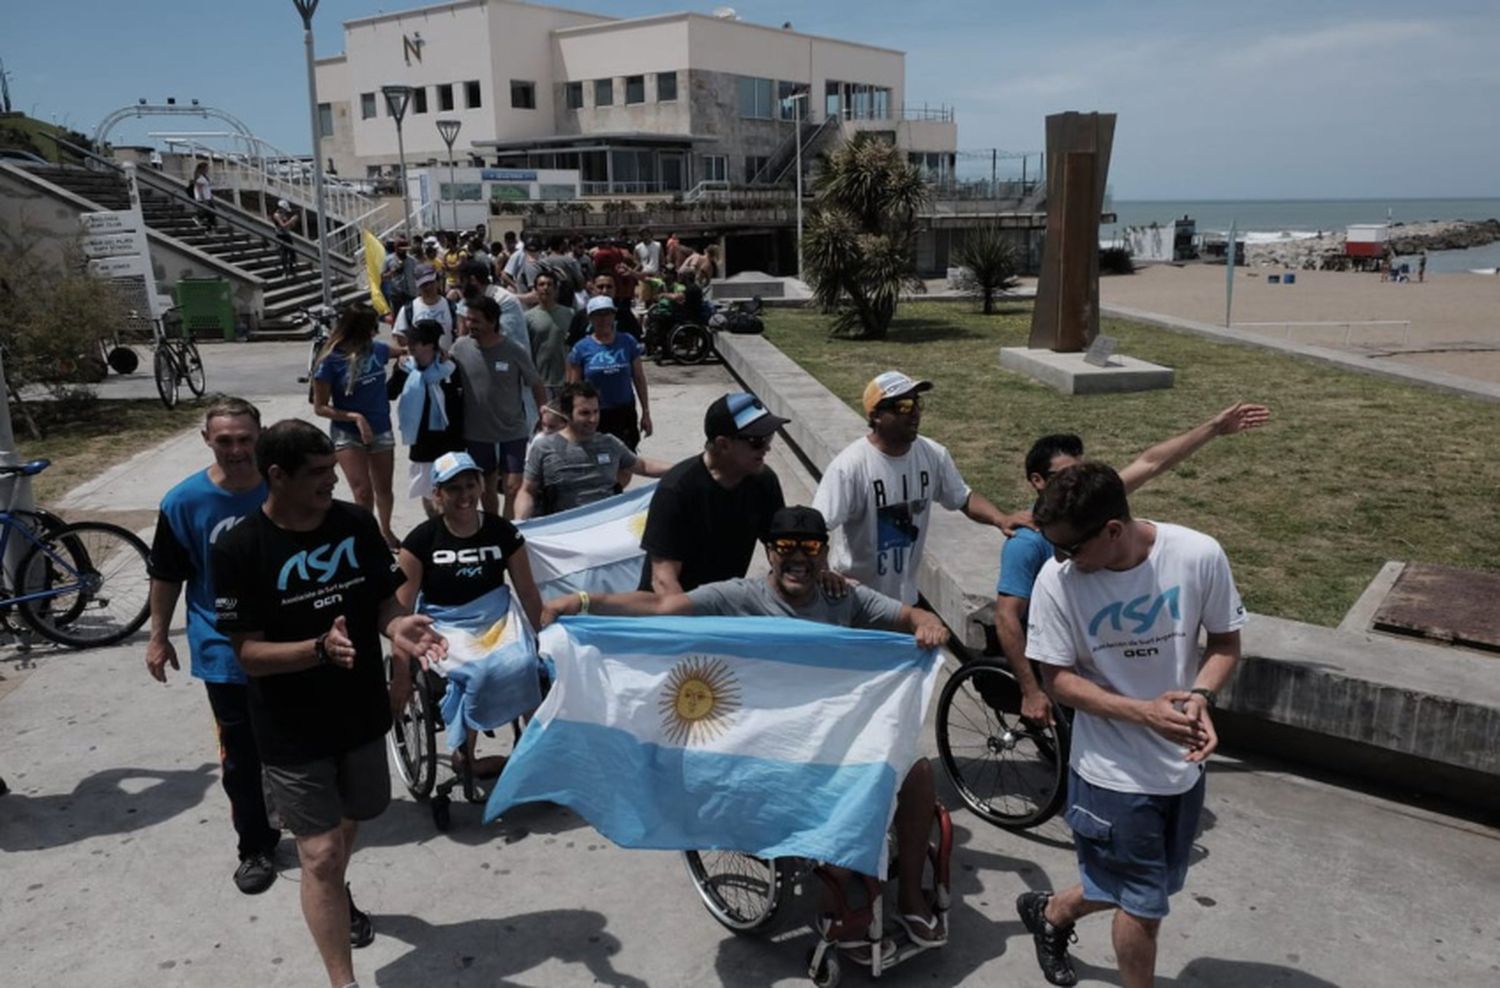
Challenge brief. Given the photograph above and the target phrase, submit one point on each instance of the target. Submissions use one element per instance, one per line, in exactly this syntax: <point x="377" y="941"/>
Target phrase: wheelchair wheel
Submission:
<point x="743" y="892"/>
<point x="1009" y="772"/>
<point x="413" y="737"/>
<point x="690" y="343"/>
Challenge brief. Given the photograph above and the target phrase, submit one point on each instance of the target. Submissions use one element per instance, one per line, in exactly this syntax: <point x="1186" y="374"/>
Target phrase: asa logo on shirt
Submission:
<point x="1137" y="611"/>
<point x="324" y="560"/>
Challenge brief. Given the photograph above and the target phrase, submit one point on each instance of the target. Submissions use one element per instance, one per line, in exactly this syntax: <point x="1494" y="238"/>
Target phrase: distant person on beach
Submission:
<point x="1422" y="268"/>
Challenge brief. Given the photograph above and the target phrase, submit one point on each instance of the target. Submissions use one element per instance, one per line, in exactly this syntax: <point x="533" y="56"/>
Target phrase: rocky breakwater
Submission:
<point x="1326" y="251"/>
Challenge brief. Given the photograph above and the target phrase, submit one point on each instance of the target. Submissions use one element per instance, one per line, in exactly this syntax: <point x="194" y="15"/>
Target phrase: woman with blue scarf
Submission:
<point x="429" y="406"/>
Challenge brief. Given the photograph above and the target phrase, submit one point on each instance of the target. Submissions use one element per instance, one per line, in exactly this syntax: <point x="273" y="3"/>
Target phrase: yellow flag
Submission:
<point x="374" y="265"/>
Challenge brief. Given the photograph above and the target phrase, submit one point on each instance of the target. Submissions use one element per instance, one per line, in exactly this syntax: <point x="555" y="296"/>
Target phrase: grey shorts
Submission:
<point x="315" y="797"/>
<point x="382" y="442"/>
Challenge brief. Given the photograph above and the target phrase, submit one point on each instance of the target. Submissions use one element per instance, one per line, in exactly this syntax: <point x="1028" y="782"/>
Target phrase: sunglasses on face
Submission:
<point x="756" y="442"/>
<point x="785" y="547"/>
<point x="1069" y="551"/>
<point x="902" y="406"/>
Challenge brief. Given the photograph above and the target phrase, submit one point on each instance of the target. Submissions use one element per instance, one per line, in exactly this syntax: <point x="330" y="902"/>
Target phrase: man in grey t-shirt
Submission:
<point x="495" y="371"/>
<point x="579" y="464"/>
<point x="797" y="551"/>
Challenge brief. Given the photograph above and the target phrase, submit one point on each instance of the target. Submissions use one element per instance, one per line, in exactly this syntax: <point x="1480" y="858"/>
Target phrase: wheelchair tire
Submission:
<point x="1009" y="772"/>
<point x="690" y="343"/>
<point x="413" y="737"/>
<point x="744" y="893"/>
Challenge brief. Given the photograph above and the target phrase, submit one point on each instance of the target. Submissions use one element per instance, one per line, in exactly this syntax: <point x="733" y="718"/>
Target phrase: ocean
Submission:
<point x="1312" y="215"/>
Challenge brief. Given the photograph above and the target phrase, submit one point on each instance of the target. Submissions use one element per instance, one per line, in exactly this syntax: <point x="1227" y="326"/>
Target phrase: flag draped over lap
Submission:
<point x="491" y="667"/>
<point x="596" y="547"/>
<point x="772" y="736"/>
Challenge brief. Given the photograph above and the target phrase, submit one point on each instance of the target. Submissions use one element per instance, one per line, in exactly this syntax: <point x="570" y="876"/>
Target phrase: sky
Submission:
<point x="1266" y="100"/>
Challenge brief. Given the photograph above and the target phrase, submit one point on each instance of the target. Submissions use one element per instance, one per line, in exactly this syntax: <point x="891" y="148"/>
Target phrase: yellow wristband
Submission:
<point x="583" y="602"/>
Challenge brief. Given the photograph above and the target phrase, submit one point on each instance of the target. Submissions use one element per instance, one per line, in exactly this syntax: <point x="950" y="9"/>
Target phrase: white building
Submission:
<point x="649" y="105"/>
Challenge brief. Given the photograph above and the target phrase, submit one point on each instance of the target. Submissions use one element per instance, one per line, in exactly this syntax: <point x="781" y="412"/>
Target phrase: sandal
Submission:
<point x="925" y="932"/>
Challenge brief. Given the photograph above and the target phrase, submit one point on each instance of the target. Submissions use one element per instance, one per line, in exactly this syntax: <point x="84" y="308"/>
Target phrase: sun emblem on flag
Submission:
<point x="637" y="524"/>
<point x="699" y="695"/>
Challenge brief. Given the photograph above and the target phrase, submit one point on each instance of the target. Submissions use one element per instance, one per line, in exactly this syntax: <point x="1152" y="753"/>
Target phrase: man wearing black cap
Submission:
<point x="796" y="542"/>
<point x="710" y="509"/>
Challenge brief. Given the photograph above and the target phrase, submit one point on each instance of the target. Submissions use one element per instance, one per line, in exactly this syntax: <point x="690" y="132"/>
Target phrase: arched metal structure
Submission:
<point x="101" y="133"/>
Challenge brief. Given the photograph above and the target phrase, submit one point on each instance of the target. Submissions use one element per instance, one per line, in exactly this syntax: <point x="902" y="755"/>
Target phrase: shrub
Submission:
<point x="990" y="261"/>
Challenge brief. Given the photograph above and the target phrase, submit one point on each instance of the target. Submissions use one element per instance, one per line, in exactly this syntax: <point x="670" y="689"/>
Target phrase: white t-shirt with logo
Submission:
<point x="877" y="508"/>
<point x="442" y="311"/>
<point x="1134" y="632"/>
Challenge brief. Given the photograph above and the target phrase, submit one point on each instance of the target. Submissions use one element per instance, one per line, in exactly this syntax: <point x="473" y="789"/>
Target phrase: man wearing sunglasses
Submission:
<point x="1115" y="617"/>
<point x="877" y="494"/>
<point x="796" y="544"/>
<point x="1023" y="556"/>
<point x="710" y="510"/>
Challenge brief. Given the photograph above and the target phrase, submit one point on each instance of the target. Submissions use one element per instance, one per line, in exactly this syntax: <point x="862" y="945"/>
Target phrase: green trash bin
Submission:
<point x="206" y="305"/>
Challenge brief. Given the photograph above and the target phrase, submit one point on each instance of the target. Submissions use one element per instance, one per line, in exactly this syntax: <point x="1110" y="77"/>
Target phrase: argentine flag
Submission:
<point x="596" y="547"/>
<point x="772" y="736"/>
<point x="491" y="667"/>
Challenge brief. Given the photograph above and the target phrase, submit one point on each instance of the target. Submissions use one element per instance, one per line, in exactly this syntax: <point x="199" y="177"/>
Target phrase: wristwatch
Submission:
<point x="1207" y="694"/>
<point x="320" y="650"/>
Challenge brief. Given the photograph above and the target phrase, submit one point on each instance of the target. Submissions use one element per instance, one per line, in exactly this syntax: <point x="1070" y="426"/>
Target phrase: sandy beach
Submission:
<point x="1451" y="322"/>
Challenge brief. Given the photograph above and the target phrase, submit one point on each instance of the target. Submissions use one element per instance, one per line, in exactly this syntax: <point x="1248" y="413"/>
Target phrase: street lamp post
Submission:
<point x="794" y="100"/>
<point x="307" y="8"/>
<point x="448" y="130"/>
<point x="396" y="98"/>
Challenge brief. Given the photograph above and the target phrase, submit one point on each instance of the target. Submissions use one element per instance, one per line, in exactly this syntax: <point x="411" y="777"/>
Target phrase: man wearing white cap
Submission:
<point x="877" y="494"/>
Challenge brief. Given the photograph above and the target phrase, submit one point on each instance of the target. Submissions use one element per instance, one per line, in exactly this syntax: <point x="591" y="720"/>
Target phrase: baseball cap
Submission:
<point x="798" y="522"/>
<point x="282" y="203"/>
<point x="425" y="273"/>
<point x="450" y="465"/>
<point x="740" y="416"/>
<point x="891" y="384"/>
<point x="600" y="303"/>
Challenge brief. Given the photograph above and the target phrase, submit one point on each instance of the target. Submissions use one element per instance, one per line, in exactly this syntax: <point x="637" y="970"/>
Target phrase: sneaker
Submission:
<point x="255" y="873"/>
<point x="361" y="930"/>
<point x="1051" y="941"/>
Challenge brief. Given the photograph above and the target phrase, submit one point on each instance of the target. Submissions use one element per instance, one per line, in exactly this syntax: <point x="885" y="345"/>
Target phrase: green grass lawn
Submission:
<point x="1351" y="471"/>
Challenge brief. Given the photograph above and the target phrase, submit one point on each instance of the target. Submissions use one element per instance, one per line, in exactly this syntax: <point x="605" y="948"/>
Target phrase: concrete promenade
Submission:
<point x="116" y="849"/>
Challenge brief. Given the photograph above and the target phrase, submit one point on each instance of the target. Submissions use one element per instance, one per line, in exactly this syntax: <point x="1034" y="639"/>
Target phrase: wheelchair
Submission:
<point x="749" y="895"/>
<point x="673" y="334"/>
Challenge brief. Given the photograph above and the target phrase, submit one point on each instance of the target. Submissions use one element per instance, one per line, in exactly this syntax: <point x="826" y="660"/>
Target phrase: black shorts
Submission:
<point x="622" y="423"/>
<point x="315" y="797"/>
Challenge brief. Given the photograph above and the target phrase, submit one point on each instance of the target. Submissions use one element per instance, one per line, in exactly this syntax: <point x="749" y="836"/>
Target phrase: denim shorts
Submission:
<point x="382" y="441"/>
<point x="1133" y="848"/>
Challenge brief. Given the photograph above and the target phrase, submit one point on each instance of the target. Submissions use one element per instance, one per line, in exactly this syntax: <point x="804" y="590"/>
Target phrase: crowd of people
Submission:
<point x="289" y="591"/>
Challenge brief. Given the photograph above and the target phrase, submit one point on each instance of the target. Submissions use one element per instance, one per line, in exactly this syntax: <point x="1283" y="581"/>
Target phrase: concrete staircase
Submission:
<point x="241" y="240"/>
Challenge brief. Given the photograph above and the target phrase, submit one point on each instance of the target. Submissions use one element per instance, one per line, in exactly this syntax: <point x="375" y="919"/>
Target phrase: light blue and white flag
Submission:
<point x="772" y="736"/>
<point x="596" y="547"/>
<point x="491" y="667"/>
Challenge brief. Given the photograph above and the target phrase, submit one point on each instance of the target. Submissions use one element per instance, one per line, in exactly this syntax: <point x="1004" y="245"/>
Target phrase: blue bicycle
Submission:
<point x="78" y="585"/>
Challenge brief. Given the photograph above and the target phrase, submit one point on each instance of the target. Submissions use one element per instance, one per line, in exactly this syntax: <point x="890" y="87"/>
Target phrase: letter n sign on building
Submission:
<point x="411" y="47"/>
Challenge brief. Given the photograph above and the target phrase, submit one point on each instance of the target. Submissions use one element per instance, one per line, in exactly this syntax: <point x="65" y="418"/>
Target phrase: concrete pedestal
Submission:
<point x="1069" y="374"/>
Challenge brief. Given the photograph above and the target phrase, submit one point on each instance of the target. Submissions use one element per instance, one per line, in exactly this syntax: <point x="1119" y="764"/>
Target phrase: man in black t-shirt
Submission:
<point x="710" y="510"/>
<point x="304" y="588"/>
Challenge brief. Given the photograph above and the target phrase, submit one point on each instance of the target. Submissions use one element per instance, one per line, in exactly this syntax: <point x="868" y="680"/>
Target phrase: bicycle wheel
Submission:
<point x="191" y="363"/>
<point x="743" y="892"/>
<point x="689" y="344"/>
<point x="41" y="523"/>
<point x="413" y="737"/>
<point x="165" y="368"/>
<point x="1010" y="772"/>
<point x="93" y="581"/>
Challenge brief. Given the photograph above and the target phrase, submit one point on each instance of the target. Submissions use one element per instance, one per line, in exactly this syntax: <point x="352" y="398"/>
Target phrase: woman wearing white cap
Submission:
<point x="611" y="362"/>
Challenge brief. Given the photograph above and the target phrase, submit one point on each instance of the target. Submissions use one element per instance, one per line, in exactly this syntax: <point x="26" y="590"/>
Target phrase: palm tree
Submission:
<point x="859" y="249"/>
<point x="990" y="261"/>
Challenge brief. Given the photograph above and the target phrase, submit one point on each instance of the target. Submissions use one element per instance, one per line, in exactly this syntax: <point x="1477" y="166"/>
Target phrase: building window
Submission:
<point x="575" y="95"/>
<point x="366" y="106"/>
<point x="666" y="87"/>
<point x="325" y="119"/>
<point x="832" y="103"/>
<point x="604" y="92"/>
<point x="471" y="95"/>
<point x="445" y="96"/>
<point x="635" y="89"/>
<point x="786" y="106"/>
<point x="755" y="98"/>
<point x="882" y="103"/>
<point x="419" y="99"/>
<point x="522" y="95"/>
<point x="715" y="168"/>
<point x="754" y="164"/>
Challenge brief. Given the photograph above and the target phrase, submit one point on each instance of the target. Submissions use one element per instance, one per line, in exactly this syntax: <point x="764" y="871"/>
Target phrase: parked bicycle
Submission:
<point x="78" y="585"/>
<point x="322" y="318"/>
<point x="176" y="361"/>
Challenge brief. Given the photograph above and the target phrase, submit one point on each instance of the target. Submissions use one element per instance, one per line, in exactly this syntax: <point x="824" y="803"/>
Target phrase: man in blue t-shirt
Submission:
<point x="1024" y="554"/>
<point x="194" y="514"/>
